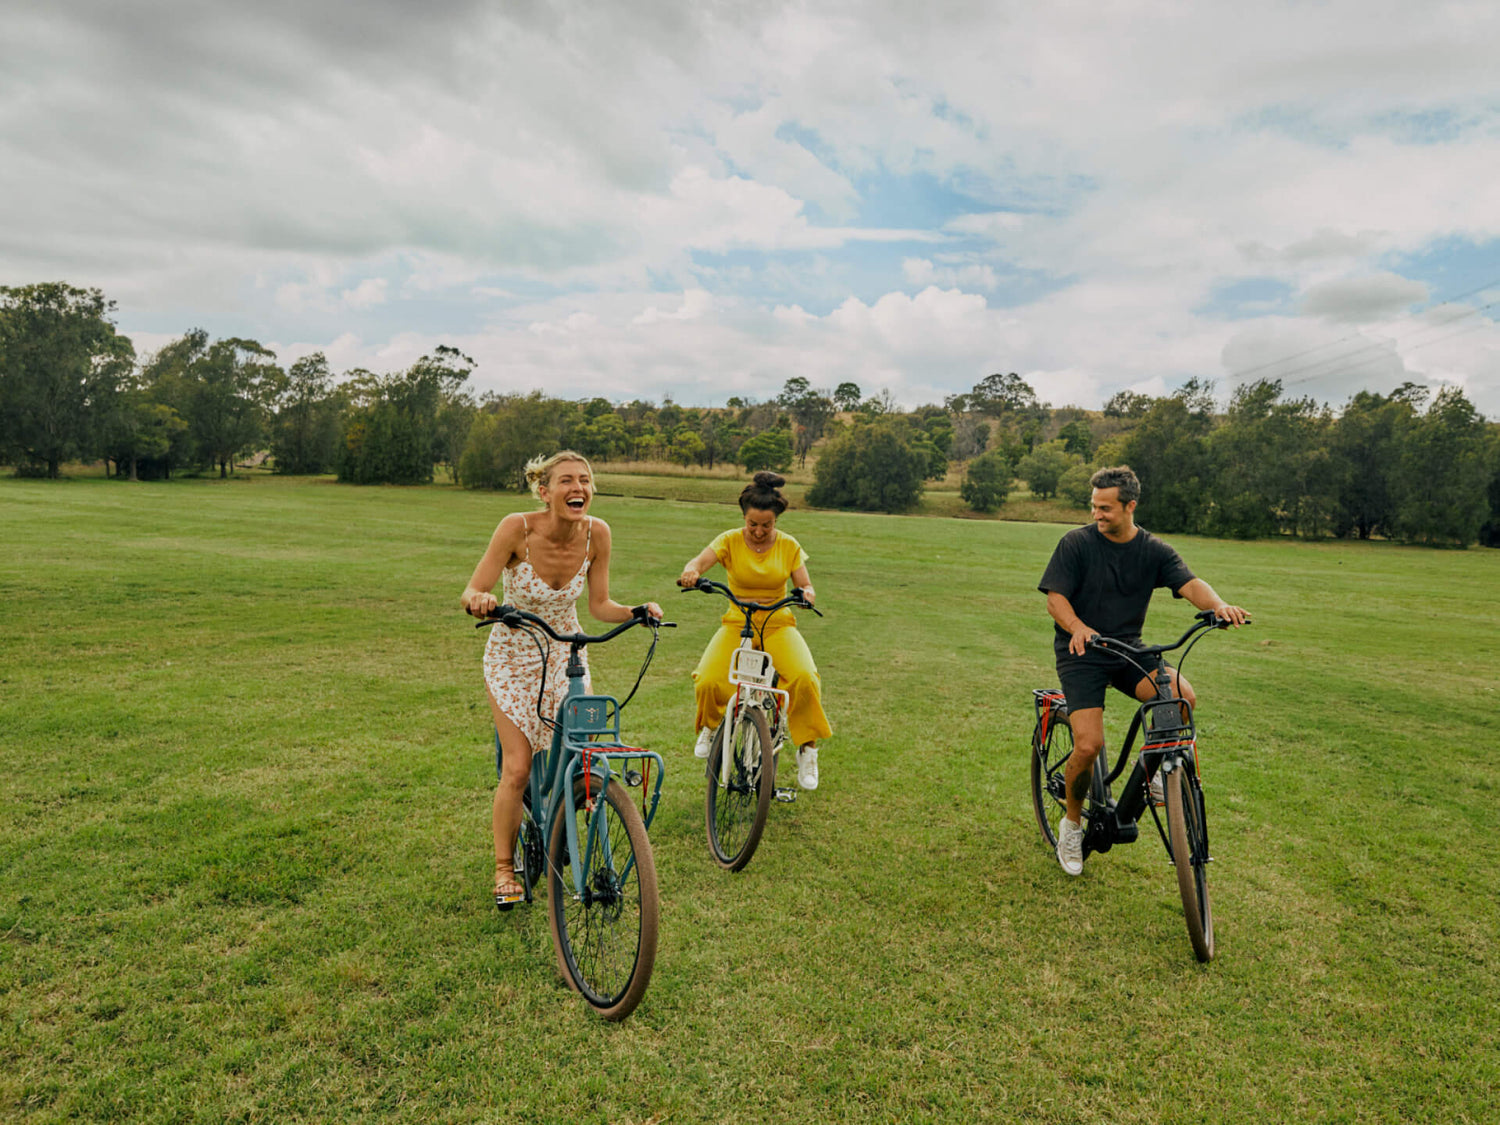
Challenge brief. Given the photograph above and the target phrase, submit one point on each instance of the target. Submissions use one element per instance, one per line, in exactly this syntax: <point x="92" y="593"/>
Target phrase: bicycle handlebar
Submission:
<point x="513" y="617"/>
<point x="796" y="598"/>
<point x="1206" y="619"/>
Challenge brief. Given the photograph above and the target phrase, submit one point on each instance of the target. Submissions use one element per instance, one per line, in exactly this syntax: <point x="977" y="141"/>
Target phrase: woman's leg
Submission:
<point x="805" y="720"/>
<point x="711" y="685"/>
<point x="505" y="816"/>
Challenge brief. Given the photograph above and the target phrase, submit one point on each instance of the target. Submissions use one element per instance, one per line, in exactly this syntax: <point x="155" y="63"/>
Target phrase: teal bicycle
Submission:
<point x="579" y="825"/>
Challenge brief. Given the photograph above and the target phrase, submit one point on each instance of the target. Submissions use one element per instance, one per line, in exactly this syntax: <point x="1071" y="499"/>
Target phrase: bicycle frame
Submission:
<point x="752" y="679"/>
<point x="585" y="741"/>
<point x="1169" y="742"/>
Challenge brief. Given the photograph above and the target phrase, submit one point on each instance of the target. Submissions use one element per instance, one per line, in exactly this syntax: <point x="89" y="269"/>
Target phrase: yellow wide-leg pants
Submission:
<point x="805" y="719"/>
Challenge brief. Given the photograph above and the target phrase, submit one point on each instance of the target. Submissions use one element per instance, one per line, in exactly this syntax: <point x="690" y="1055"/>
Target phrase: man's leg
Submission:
<point x="1088" y="741"/>
<point x="1084" y="681"/>
<point x="1145" y="691"/>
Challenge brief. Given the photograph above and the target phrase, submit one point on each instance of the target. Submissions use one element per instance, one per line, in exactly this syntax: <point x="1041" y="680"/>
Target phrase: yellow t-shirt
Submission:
<point x="758" y="578"/>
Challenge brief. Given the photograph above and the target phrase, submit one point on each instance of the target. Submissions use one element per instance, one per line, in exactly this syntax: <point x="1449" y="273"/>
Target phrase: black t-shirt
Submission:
<point x="1109" y="584"/>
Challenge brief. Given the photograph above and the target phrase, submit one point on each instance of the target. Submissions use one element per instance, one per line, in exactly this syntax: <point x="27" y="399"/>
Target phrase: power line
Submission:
<point x="1238" y="376"/>
<point x="1375" y="359"/>
<point x="1373" y="345"/>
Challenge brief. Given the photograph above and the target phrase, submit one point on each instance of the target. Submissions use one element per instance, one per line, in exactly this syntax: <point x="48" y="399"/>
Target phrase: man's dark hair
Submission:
<point x="1121" y="477"/>
<point x="764" y="494"/>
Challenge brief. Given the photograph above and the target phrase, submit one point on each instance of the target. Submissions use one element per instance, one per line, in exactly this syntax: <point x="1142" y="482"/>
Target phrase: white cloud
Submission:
<point x="695" y="302"/>
<point x="648" y="196"/>
<point x="368" y="292"/>
<point x="1362" y="299"/>
<point x="922" y="271"/>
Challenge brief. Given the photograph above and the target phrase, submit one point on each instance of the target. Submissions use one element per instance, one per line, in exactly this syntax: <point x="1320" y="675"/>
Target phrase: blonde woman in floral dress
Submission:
<point x="546" y="559"/>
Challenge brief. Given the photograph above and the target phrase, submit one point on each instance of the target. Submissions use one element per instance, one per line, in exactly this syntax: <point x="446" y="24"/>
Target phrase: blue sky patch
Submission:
<point x="1452" y="267"/>
<point x="1246" y="298"/>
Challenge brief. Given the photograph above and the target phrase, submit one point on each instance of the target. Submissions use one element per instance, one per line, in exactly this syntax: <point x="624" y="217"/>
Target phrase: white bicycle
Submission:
<point x="742" y="758"/>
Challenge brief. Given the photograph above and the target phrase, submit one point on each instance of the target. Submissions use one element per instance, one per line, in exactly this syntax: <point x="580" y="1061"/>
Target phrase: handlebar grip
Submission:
<point x="502" y="614"/>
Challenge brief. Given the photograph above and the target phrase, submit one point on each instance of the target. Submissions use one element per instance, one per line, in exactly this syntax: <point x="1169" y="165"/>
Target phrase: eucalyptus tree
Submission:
<point x="1442" y="491"/>
<point x="305" y="424"/>
<point x="62" y="365"/>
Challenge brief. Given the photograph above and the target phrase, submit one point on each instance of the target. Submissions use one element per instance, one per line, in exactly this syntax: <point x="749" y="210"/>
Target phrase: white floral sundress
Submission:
<point x="512" y="661"/>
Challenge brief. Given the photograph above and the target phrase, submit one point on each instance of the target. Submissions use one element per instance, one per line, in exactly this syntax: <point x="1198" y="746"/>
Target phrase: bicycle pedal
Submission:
<point x="633" y="778"/>
<point x="786" y="796"/>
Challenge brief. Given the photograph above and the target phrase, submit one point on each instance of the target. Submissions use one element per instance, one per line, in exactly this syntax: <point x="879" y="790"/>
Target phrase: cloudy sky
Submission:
<point x="704" y="199"/>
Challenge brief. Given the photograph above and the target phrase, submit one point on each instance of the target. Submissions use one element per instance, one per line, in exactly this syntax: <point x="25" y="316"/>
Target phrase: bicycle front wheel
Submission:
<point x="739" y="797"/>
<point x="1049" y="764"/>
<point x="1188" y="834"/>
<point x="605" y="937"/>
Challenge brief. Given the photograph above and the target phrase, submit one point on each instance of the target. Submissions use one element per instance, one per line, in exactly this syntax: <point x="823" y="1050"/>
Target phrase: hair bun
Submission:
<point x="765" y="479"/>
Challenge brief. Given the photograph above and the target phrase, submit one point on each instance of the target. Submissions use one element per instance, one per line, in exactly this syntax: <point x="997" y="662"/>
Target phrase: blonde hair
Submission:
<point x="539" y="469"/>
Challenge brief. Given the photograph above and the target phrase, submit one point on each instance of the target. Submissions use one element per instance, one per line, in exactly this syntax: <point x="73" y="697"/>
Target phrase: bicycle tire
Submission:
<point x="1188" y="837"/>
<point x="735" y="814"/>
<point x="1049" y="761"/>
<point x="605" y="941"/>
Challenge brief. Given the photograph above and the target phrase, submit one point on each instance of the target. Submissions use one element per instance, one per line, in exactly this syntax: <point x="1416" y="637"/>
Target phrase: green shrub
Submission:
<point x="986" y="481"/>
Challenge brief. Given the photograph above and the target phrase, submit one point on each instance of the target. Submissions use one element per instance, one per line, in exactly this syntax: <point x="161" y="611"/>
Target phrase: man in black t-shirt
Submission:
<point x="1099" y="581"/>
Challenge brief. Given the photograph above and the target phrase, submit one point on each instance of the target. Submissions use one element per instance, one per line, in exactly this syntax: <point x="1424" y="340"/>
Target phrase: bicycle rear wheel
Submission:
<point x="1049" y="763"/>
<point x="1188" y="835"/>
<point x="606" y="937"/>
<point x="735" y="810"/>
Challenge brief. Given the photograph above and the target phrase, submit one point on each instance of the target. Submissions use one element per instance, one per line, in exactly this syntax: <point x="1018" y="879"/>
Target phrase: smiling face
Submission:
<point x="569" y="490"/>
<point x="1114" y="519"/>
<point x="760" y="527"/>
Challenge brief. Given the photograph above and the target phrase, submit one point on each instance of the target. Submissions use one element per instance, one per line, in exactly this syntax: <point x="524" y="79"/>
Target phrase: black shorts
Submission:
<point x="1085" y="678"/>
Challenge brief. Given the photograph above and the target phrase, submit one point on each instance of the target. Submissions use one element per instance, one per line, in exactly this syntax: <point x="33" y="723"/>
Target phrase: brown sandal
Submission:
<point x="508" y="889"/>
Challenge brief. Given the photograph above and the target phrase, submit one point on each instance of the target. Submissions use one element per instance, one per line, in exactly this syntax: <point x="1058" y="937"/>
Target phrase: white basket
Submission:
<point x="751" y="666"/>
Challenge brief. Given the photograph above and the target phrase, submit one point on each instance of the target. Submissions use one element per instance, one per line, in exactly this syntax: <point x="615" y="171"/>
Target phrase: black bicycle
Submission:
<point x="1169" y="751"/>
<point x="742" y="758"/>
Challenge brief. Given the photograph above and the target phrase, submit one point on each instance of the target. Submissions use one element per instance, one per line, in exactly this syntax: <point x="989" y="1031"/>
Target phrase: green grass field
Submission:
<point x="245" y="858"/>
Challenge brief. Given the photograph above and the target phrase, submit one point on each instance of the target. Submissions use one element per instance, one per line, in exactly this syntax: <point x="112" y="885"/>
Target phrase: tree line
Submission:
<point x="1406" y="465"/>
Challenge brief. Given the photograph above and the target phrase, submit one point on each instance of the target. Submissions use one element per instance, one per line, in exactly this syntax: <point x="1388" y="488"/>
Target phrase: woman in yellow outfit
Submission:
<point x="759" y="560"/>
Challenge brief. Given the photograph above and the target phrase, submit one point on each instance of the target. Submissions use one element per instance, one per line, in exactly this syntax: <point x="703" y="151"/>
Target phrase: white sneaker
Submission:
<point x="1158" y="797"/>
<point x="1070" y="846"/>
<point x="705" y="740"/>
<point x="807" y="766"/>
